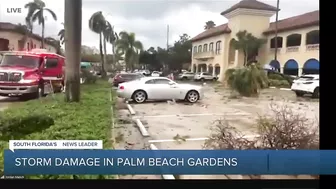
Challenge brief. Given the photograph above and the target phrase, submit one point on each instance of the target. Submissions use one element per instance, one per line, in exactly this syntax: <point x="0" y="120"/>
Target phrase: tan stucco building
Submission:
<point x="11" y="36"/>
<point x="297" y="41"/>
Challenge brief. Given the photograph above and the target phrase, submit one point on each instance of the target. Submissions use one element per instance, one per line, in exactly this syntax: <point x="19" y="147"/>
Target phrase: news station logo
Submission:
<point x="14" y="10"/>
<point x="8" y="11"/>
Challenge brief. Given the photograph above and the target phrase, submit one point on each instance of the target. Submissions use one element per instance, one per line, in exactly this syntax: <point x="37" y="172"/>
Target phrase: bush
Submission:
<point x="20" y="126"/>
<point x="90" y="119"/>
<point x="247" y="81"/>
<point x="275" y="77"/>
<point x="279" y="83"/>
<point x="282" y="129"/>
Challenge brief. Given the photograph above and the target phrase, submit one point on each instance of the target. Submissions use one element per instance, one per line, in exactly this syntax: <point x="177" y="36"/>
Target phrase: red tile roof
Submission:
<point x="6" y="26"/>
<point x="221" y="29"/>
<point x="250" y="4"/>
<point x="296" y="22"/>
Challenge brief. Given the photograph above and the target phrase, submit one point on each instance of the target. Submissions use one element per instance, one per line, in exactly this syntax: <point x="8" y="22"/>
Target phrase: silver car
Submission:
<point x="186" y="76"/>
<point x="202" y="76"/>
<point x="159" y="88"/>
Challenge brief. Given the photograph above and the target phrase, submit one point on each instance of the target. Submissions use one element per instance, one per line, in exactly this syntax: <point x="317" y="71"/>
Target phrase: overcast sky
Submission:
<point x="148" y="18"/>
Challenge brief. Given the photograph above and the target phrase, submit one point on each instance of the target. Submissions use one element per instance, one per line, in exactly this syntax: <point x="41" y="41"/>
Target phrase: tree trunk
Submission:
<point x="73" y="40"/>
<point x="105" y="54"/>
<point x="42" y="42"/>
<point x="101" y="55"/>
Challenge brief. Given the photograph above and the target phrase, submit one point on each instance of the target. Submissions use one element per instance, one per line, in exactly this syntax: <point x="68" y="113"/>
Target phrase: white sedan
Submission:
<point x="159" y="88"/>
<point x="155" y="74"/>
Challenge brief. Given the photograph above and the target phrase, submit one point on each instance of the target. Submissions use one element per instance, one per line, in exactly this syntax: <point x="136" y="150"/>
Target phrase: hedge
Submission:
<point x="51" y="118"/>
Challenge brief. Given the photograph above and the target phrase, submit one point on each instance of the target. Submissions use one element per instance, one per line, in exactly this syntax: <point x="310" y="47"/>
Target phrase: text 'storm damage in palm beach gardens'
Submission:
<point x="110" y="89"/>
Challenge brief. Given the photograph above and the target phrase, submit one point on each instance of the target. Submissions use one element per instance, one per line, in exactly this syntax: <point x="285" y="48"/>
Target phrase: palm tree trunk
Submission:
<point x="42" y="43"/>
<point x="105" y="54"/>
<point x="101" y="54"/>
<point x="73" y="40"/>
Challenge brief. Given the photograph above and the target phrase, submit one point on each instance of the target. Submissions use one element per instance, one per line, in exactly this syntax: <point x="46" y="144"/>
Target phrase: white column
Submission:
<point x="300" y="71"/>
<point x="196" y="68"/>
<point x="207" y="68"/>
<point x="236" y="57"/>
<point x="213" y="70"/>
<point x="201" y="68"/>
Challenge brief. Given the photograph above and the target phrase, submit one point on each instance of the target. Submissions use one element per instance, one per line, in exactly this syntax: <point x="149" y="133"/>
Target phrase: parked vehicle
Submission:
<point x="155" y="74"/>
<point x="124" y="77"/>
<point x="186" y="76"/>
<point x="307" y="84"/>
<point x="31" y="74"/>
<point x="159" y="88"/>
<point x="203" y="76"/>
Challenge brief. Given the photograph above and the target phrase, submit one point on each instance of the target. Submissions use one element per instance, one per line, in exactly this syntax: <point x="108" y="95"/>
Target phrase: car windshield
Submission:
<point x="20" y="60"/>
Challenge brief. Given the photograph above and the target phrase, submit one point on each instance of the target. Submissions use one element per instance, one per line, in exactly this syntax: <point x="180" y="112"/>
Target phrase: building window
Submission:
<point x="211" y="46"/>
<point x="279" y="42"/>
<point x="294" y="40"/>
<point x="205" y="47"/>
<point x="200" y="48"/>
<point x="218" y="47"/>
<point x="195" y="49"/>
<point x="313" y="37"/>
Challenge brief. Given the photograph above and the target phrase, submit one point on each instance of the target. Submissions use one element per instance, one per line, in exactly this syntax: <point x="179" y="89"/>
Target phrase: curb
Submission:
<point x="142" y="128"/>
<point x="130" y="109"/>
<point x="283" y="89"/>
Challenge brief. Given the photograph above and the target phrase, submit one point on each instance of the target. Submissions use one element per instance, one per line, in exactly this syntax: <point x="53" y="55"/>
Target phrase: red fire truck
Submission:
<point x="31" y="74"/>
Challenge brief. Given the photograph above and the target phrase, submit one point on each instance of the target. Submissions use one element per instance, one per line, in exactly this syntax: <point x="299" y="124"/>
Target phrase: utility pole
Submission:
<point x="276" y="31"/>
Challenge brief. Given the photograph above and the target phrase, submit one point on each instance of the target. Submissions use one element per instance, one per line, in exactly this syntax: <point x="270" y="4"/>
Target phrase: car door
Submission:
<point x="51" y="72"/>
<point x="162" y="90"/>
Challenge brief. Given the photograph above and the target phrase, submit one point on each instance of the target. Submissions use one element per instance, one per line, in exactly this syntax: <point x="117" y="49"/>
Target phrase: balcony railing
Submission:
<point x="273" y="50"/>
<point x="204" y="55"/>
<point x="293" y="49"/>
<point x="314" y="47"/>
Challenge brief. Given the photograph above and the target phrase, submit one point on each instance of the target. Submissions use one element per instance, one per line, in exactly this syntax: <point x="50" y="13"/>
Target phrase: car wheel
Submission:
<point x="299" y="94"/>
<point x="316" y="93"/>
<point x="139" y="96"/>
<point x="192" y="96"/>
<point x="202" y="79"/>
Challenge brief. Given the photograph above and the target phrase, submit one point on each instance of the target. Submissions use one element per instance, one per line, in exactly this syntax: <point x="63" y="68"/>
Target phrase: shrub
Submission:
<point x="90" y="119"/>
<point x="275" y="76"/>
<point x="19" y="126"/>
<point x="247" y="81"/>
<point x="282" y="129"/>
<point x="279" y="83"/>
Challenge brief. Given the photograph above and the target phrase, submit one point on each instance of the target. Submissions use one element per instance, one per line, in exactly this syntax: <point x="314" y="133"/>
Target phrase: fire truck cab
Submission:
<point x="31" y="74"/>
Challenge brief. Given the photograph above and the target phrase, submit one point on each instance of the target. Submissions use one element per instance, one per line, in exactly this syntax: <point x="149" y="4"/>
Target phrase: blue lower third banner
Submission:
<point x="27" y="162"/>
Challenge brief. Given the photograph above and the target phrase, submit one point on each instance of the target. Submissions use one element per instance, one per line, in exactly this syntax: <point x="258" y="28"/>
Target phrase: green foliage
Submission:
<point x="21" y="125"/>
<point x="249" y="44"/>
<point x="246" y="81"/>
<point x="90" y="119"/>
<point x="279" y="83"/>
<point x="275" y="77"/>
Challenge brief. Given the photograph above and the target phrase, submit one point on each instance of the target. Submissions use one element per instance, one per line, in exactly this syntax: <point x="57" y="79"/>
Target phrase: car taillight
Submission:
<point x="121" y="87"/>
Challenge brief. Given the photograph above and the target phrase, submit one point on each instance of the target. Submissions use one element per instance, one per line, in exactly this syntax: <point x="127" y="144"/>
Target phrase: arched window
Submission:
<point x="200" y="48"/>
<point x="218" y="46"/>
<point x="195" y="49"/>
<point x="205" y="47"/>
<point x="211" y="46"/>
<point x="279" y="42"/>
<point x="294" y="40"/>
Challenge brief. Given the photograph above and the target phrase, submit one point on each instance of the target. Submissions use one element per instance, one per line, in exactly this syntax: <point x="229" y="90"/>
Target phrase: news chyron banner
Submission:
<point x="55" y="157"/>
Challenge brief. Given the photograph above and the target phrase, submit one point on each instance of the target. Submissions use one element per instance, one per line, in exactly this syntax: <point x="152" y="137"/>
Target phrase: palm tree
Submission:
<point x="112" y="37"/>
<point x="209" y="24"/>
<point x="131" y="48"/>
<point x="61" y="34"/>
<point x="73" y="35"/>
<point x="97" y="24"/>
<point x="249" y="44"/>
<point x="36" y="12"/>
